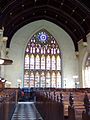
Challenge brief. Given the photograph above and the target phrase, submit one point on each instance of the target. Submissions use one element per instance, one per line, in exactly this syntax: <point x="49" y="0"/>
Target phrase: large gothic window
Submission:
<point x="42" y="61"/>
<point x="87" y="72"/>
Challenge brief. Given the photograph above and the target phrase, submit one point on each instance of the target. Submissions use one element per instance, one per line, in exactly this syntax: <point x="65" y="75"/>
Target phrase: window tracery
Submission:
<point x="42" y="61"/>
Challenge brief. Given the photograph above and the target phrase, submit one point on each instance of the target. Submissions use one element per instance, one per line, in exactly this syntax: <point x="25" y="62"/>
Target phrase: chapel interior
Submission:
<point x="44" y="60"/>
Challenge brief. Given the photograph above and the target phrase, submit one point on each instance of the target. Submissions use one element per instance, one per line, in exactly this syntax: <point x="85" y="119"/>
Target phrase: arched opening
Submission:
<point x="42" y="61"/>
<point x="87" y="72"/>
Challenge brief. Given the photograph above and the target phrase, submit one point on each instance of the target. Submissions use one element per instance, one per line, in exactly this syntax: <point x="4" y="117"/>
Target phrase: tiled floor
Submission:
<point x="26" y="111"/>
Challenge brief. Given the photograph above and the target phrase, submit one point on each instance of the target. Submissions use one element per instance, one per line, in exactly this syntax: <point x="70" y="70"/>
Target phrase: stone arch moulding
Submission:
<point x="22" y="37"/>
<point x="83" y="66"/>
<point x="47" y="25"/>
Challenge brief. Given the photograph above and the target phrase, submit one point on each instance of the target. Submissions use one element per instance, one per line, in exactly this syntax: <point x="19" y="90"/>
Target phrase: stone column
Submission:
<point x="82" y="53"/>
<point x="3" y="41"/>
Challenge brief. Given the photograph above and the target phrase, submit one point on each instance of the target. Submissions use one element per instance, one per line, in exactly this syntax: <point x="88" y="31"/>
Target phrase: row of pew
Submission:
<point x="63" y="104"/>
<point x="8" y="100"/>
<point x="52" y="104"/>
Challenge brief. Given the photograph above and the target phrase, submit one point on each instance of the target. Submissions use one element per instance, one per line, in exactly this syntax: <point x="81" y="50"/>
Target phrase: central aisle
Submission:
<point x="26" y="111"/>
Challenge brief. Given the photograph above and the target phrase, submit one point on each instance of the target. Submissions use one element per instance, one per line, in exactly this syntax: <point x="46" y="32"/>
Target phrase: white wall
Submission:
<point x="20" y="40"/>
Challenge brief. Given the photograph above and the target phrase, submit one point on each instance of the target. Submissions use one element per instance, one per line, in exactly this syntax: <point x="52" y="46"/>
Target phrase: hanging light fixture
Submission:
<point x="5" y="61"/>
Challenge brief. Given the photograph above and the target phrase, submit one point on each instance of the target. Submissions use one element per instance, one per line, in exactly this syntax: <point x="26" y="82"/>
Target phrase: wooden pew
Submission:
<point x="78" y="95"/>
<point x="1" y="108"/>
<point x="49" y="107"/>
<point x="86" y="113"/>
<point x="7" y="104"/>
<point x="78" y="102"/>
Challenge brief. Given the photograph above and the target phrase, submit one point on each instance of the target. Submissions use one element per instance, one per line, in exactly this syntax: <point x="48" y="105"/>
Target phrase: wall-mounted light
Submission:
<point x="75" y="77"/>
<point x="19" y="82"/>
<point x="5" y="61"/>
<point x="1" y="61"/>
<point x="2" y="80"/>
<point x="8" y="84"/>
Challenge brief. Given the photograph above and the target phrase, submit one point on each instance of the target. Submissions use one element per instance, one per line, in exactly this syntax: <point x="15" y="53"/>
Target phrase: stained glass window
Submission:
<point x="52" y="51"/>
<point x="26" y="78"/>
<point x="26" y="61"/>
<point x="54" y="81"/>
<point x="32" y="61"/>
<point x="48" y="64"/>
<point x="58" y="80"/>
<point x="42" y="62"/>
<point x="41" y="50"/>
<point x="32" y="79"/>
<point x="58" y="63"/>
<point x="53" y="62"/>
<point x="37" y="50"/>
<point x="37" y="62"/>
<point x="37" y="79"/>
<point x="31" y="49"/>
<point x="58" y="51"/>
<point x="48" y="80"/>
<point x="43" y="82"/>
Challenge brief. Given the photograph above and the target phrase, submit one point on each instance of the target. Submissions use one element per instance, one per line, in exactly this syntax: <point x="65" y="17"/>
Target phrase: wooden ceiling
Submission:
<point x="71" y="15"/>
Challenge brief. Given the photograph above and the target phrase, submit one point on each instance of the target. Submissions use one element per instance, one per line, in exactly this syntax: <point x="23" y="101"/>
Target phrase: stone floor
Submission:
<point x="26" y="111"/>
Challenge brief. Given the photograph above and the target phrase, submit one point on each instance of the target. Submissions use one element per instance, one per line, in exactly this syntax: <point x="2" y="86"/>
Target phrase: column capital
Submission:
<point x="4" y="39"/>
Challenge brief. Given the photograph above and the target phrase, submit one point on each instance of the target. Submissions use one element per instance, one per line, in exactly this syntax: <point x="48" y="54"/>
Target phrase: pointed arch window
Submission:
<point x="31" y="49"/>
<point x="58" y="63"/>
<point x="42" y="62"/>
<point x="48" y="64"/>
<point x="54" y="82"/>
<point x="26" y="78"/>
<point x="43" y="82"/>
<point x="37" y="79"/>
<point x="58" y="51"/>
<point x="48" y="80"/>
<point x="87" y="72"/>
<point x="27" y="50"/>
<point x="32" y="81"/>
<point x="58" y="80"/>
<point x="53" y="63"/>
<point x="52" y="51"/>
<point x="37" y="62"/>
<point x="32" y="61"/>
<point x="26" y="61"/>
<point x="26" y="74"/>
